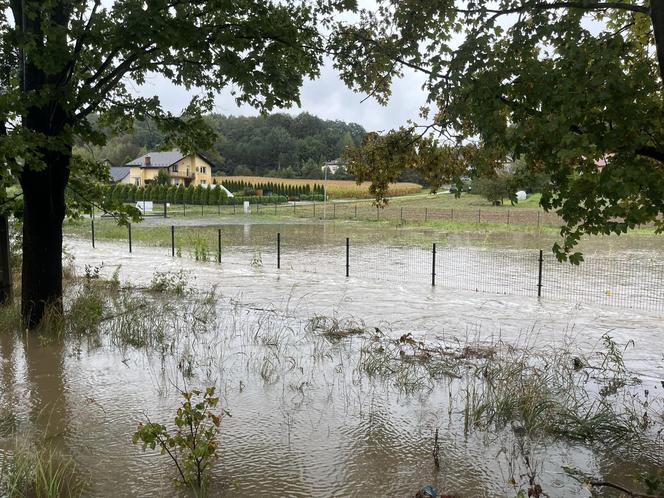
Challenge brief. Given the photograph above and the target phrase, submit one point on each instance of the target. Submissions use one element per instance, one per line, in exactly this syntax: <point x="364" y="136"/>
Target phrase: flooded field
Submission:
<point x="336" y="386"/>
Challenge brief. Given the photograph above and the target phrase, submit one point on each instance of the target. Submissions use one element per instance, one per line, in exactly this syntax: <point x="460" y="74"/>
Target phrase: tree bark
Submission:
<point x="46" y="170"/>
<point x="657" y="17"/>
<point x="5" y="262"/>
<point x="44" y="211"/>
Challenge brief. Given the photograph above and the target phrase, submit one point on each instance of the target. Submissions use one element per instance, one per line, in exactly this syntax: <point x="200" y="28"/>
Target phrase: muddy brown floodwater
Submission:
<point x="305" y="420"/>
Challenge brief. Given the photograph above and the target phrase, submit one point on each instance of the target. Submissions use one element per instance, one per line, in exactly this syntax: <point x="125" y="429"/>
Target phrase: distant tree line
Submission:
<point x="276" y="188"/>
<point x="277" y="145"/>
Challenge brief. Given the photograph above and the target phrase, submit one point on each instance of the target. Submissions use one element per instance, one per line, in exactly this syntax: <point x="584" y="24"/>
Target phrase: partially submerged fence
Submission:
<point x="635" y="282"/>
<point x="365" y="211"/>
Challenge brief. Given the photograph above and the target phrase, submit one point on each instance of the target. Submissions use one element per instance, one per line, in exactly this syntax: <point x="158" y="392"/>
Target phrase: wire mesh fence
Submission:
<point x="363" y="211"/>
<point x="634" y="282"/>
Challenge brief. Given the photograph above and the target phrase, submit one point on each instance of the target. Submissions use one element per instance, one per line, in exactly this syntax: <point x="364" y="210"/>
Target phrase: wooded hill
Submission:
<point x="272" y="145"/>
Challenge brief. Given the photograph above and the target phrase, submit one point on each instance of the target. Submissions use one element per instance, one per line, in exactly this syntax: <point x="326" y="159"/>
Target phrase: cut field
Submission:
<point x="336" y="189"/>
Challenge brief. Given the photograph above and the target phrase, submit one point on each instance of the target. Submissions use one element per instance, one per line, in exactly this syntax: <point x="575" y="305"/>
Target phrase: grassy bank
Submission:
<point x="418" y="209"/>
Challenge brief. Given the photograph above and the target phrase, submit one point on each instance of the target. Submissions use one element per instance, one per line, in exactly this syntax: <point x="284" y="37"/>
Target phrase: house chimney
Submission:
<point x="147" y="160"/>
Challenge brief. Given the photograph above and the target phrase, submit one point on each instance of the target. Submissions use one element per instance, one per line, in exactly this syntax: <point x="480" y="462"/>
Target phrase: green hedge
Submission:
<point x="181" y="195"/>
<point x="313" y="197"/>
<point x="274" y="187"/>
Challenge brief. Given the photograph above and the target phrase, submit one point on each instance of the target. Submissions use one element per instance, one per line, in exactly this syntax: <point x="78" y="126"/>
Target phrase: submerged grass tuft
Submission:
<point x="40" y="472"/>
<point x="335" y="329"/>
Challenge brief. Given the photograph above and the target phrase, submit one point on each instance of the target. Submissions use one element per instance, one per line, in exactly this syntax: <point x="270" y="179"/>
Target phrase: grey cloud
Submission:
<point x="326" y="97"/>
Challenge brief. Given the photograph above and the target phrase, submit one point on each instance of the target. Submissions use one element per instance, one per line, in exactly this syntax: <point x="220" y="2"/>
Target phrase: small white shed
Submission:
<point x="145" y="206"/>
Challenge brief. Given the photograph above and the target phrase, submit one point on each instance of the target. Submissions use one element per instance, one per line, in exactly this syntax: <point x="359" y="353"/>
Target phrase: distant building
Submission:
<point x="333" y="166"/>
<point x="193" y="169"/>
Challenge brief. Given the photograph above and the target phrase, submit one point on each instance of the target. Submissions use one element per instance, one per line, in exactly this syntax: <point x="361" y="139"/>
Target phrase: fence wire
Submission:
<point x="635" y="282"/>
<point x="497" y="272"/>
<point x="628" y="283"/>
<point x="343" y="210"/>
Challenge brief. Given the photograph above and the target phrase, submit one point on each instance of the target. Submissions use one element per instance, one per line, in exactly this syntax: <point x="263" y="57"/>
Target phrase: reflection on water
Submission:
<point x="304" y="421"/>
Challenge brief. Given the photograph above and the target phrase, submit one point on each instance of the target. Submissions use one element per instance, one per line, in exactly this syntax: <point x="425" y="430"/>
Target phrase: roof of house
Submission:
<point x="158" y="159"/>
<point x="164" y="159"/>
<point x="118" y="173"/>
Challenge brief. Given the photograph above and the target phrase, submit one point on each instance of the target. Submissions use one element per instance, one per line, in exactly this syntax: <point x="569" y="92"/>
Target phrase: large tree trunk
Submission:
<point x="657" y="17"/>
<point x="44" y="211"/>
<point x="43" y="74"/>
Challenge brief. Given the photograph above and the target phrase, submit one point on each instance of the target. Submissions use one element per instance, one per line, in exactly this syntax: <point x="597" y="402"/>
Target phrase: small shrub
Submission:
<point x="194" y="442"/>
<point x="199" y="250"/>
<point x="169" y="282"/>
<point x="86" y="312"/>
<point x="257" y="261"/>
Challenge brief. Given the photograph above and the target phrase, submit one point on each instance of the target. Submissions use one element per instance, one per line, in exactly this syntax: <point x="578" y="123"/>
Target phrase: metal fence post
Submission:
<point x="218" y="209"/>
<point x="93" y="232"/>
<point x="314" y="202"/>
<point x="401" y="214"/>
<point x="293" y="208"/>
<point x="539" y="276"/>
<point x="479" y="216"/>
<point x="508" y="216"/>
<point x="433" y="265"/>
<point x="219" y="245"/>
<point x="377" y="213"/>
<point x="426" y="214"/>
<point x="452" y="214"/>
<point x="173" y="241"/>
<point x="184" y="209"/>
<point x="334" y="211"/>
<point x="278" y="250"/>
<point x="347" y="256"/>
<point x="355" y="210"/>
<point x="129" y="228"/>
<point x="165" y="209"/>
<point x="201" y="209"/>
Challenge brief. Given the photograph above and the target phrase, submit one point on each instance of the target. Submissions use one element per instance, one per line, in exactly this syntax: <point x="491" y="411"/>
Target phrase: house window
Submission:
<point x="137" y="181"/>
<point x="203" y="182"/>
<point x="203" y="169"/>
<point x="174" y="169"/>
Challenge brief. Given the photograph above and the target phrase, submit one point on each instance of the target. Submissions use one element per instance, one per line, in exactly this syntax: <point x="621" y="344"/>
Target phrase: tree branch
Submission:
<point x="78" y="47"/>
<point x="651" y="152"/>
<point x="560" y="5"/>
<point x="604" y="484"/>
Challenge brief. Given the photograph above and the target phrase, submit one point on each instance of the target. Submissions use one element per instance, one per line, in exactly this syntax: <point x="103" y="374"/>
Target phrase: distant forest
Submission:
<point x="275" y="145"/>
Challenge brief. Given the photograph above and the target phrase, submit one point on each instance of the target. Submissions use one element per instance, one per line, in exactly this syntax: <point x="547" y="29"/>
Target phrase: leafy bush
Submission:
<point x="193" y="443"/>
<point x="313" y="197"/>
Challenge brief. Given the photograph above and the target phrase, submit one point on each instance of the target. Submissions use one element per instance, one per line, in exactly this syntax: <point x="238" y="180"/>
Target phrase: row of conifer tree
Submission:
<point x="179" y="194"/>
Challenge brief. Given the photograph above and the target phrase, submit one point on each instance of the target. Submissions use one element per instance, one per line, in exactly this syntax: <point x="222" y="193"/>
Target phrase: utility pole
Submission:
<point x="325" y="194"/>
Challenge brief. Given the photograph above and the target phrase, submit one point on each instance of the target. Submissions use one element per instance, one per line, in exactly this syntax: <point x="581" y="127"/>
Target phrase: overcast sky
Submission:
<point x="326" y="97"/>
